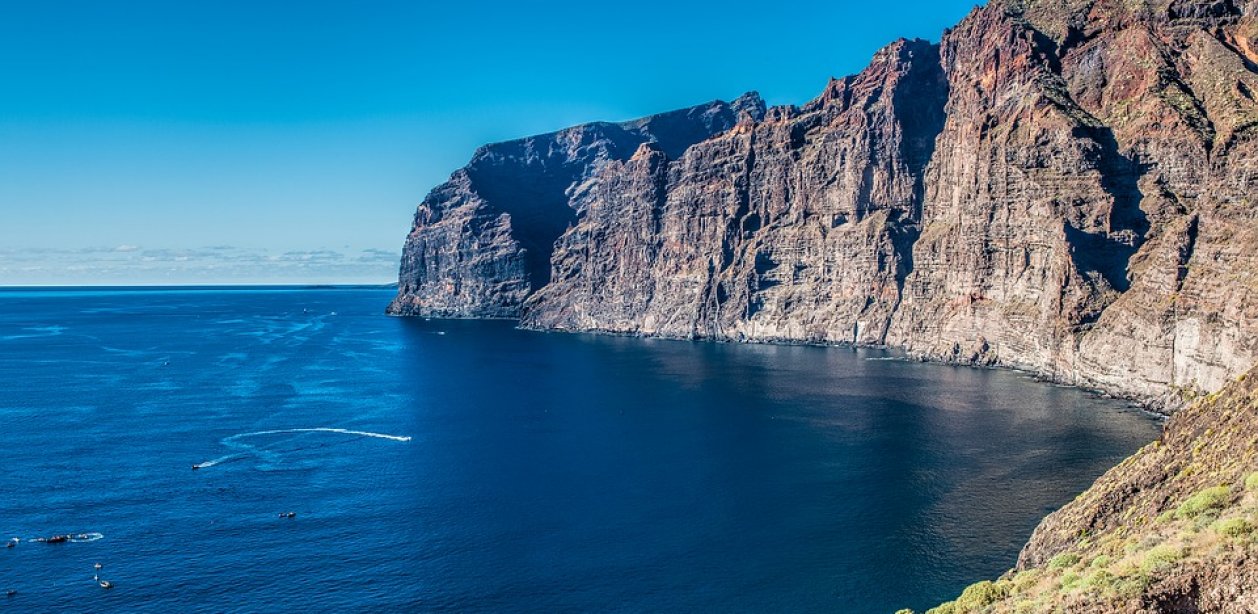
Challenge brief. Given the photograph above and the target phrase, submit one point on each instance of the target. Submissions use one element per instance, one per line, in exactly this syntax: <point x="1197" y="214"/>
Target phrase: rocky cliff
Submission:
<point x="1174" y="528"/>
<point x="482" y="241"/>
<point x="1063" y="186"/>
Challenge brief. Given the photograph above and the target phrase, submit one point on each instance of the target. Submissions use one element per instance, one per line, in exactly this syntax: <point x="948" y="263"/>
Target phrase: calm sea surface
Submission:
<point x="544" y="472"/>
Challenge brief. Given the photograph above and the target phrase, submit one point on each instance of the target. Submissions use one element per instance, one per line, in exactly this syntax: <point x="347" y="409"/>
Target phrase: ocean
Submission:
<point x="468" y="466"/>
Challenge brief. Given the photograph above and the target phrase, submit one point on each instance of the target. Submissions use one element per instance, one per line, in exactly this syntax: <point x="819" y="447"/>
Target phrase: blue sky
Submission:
<point x="248" y="142"/>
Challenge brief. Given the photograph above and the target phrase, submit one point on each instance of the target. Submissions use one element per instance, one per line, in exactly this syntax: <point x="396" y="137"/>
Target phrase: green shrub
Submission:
<point x="944" y="608"/>
<point x="1208" y="500"/>
<point x="1233" y="527"/>
<point x="1100" y="561"/>
<point x="1026" y="606"/>
<point x="1069" y="580"/>
<point x="1160" y="559"/>
<point x="1144" y="543"/>
<point x="1063" y="560"/>
<point x="1251" y="481"/>
<point x="1100" y="579"/>
<point x="1130" y="587"/>
<point x="1024" y="581"/>
<point x="982" y="594"/>
<point x="1203" y="522"/>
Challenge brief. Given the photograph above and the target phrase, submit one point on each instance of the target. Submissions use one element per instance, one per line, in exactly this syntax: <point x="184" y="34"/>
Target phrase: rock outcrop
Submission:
<point x="1062" y="186"/>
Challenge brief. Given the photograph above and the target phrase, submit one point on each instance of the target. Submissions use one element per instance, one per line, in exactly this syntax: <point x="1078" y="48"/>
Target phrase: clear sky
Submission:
<point x="205" y="142"/>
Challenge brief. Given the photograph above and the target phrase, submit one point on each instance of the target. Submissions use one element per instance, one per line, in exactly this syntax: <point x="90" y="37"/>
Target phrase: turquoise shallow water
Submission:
<point x="546" y="473"/>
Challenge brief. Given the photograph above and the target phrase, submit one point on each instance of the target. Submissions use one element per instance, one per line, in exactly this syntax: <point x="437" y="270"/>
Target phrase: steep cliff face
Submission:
<point x="799" y="226"/>
<point x="1063" y="186"/>
<point x="481" y="242"/>
<point x="1088" y="215"/>
<point x="1174" y="528"/>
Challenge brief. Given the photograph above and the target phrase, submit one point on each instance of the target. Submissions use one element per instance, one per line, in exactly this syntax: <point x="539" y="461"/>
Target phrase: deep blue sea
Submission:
<point x="543" y="472"/>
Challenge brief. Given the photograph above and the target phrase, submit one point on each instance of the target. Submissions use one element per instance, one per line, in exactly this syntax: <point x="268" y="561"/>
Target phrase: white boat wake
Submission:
<point x="69" y="538"/>
<point x="319" y="430"/>
<point x="36" y="332"/>
<point x="270" y="456"/>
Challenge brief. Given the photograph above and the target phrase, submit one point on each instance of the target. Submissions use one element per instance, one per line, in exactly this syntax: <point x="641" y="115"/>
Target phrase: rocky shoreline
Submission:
<point x="1158" y="408"/>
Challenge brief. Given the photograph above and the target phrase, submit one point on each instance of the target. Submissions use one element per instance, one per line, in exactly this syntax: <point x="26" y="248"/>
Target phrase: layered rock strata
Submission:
<point x="1062" y="186"/>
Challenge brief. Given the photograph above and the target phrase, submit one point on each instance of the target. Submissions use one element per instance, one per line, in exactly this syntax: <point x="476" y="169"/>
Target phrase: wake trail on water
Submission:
<point x="247" y="450"/>
<point x="321" y="430"/>
<point x="71" y="538"/>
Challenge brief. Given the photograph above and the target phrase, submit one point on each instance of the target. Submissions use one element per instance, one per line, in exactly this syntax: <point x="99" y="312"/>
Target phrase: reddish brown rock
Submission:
<point x="797" y="227"/>
<point x="1063" y="186"/>
<point x="481" y="242"/>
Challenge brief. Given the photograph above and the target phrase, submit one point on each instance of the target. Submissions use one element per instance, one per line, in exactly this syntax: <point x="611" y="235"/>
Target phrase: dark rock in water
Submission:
<point x="1061" y="187"/>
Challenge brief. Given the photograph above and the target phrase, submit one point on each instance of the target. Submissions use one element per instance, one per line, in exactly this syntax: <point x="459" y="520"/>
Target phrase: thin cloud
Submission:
<point x="319" y="255"/>
<point x="379" y="256"/>
<point x="212" y="264"/>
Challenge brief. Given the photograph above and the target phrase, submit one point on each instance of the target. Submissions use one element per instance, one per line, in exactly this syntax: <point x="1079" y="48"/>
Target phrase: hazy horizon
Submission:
<point x="248" y="143"/>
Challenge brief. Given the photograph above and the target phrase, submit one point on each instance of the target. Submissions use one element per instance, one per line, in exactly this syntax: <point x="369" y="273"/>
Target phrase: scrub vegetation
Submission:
<point x="1171" y="529"/>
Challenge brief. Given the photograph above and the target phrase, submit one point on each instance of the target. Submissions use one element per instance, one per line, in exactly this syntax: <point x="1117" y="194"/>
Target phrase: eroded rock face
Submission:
<point x="481" y="242"/>
<point x="797" y="227"/>
<point x="1063" y="186"/>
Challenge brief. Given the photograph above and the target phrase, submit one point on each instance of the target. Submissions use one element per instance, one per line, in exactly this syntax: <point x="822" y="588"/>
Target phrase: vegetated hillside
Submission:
<point x="1173" y="528"/>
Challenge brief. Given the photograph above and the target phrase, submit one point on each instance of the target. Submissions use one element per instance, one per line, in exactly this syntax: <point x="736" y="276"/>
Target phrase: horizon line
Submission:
<point x="204" y="285"/>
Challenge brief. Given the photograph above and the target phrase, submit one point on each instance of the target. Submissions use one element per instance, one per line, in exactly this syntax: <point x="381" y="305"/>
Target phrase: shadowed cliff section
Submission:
<point x="482" y="241"/>
<point x="920" y="108"/>
<point x="1060" y="186"/>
